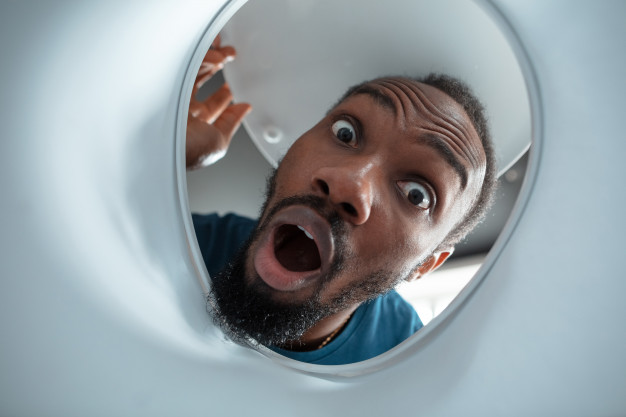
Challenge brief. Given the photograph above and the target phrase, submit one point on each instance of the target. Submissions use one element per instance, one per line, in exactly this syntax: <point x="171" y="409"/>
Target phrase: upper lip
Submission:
<point x="311" y="221"/>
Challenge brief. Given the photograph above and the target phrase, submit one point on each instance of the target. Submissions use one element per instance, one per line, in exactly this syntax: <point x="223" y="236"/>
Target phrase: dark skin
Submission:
<point x="212" y="123"/>
<point x="369" y="174"/>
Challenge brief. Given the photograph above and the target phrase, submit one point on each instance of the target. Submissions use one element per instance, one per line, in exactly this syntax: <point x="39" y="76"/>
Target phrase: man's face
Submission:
<point x="376" y="185"/>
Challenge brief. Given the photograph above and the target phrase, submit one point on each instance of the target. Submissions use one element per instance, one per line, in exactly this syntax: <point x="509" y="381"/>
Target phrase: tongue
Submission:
<point x="295" y="251"/>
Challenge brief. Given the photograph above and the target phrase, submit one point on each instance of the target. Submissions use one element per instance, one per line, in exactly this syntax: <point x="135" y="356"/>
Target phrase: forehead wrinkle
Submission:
<point x="433" y="139"/>
<point x="405" y="109"/>
<point x="452" y="126"/>
<point x="419" y="106"/>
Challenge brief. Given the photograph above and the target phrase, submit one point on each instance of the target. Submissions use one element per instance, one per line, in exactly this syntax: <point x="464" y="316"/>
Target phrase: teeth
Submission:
<point x="305" y="232"/>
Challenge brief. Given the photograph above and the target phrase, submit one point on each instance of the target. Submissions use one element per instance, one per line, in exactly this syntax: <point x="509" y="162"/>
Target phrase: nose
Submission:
<point x="349" y="188"/>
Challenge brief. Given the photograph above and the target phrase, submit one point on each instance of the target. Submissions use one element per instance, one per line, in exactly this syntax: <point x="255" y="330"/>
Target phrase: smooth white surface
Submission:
<point x="431" y="294"/>
<point x="296" y="58"/>
<point x="100" y="308"/>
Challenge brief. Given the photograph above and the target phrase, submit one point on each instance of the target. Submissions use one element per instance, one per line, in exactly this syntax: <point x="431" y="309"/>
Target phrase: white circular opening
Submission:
<point x="509" y="104"/>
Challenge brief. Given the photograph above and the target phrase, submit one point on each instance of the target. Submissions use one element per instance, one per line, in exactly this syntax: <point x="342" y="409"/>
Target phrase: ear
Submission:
<point x="431" y="263"/>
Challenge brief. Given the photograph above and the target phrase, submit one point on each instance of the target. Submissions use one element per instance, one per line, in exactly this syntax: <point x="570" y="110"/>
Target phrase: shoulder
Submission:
<point x="230" y="227"/>
<point x="220" y="237"/>
<point x="393" y="315"/>
<point x="375" y="327"/>
<point x="226" y="222"/>
<point x="383" y="323"/>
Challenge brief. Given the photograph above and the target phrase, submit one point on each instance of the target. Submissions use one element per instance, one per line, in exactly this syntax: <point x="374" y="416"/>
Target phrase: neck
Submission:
<point x="316" y="335"/>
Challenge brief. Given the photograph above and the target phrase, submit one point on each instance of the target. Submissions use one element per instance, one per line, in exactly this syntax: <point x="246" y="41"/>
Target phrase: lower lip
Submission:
<point x="274" y="274"/>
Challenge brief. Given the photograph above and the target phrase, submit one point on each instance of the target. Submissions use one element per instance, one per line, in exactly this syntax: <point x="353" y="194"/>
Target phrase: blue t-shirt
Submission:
<point x="375" y="327"/>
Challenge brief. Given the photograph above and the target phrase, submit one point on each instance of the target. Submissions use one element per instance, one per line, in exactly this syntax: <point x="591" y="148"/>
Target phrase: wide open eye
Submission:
<point x="344" y="131"/>
<point x="416" y="193"/>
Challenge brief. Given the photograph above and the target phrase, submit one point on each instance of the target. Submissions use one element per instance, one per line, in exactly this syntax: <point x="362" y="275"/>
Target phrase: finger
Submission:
<point x="215" y="57"/>
<point x="215" y="104"/>
<point x="231" y="118"/>
<point x="214" y="61"/>
<point x="195" y="107"/>
<point x="229" y="52"/>
<point x="202" y="79"/>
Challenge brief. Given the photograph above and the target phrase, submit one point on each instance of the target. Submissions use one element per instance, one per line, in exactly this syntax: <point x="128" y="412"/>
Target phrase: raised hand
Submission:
<point x="212" y="123"/>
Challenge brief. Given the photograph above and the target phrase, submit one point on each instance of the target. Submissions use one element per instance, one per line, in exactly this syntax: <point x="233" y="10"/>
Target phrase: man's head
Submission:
<point x="377" y="192"/>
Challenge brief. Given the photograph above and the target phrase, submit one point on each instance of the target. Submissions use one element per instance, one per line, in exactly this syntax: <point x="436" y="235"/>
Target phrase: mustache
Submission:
<point x="319" y="204"/>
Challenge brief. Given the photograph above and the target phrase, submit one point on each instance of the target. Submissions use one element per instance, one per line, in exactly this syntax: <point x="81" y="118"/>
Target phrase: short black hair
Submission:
<point x="462" y="94"/>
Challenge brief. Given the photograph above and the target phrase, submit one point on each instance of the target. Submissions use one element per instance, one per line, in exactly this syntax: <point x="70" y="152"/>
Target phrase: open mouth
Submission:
<point x="295" y="249"/>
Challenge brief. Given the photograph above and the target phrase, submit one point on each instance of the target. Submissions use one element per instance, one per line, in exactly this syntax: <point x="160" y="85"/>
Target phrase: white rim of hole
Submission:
<point x="410" y="346"/>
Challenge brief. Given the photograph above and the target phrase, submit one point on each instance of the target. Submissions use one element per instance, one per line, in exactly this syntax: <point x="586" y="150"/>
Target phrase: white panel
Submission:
<point x="296" y="58"/>
<point x="101" y="312"/>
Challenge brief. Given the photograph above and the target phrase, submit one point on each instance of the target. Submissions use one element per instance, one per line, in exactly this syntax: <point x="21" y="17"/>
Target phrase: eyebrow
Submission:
<point x="444" y="150"/>
<point x="429" y="139"/>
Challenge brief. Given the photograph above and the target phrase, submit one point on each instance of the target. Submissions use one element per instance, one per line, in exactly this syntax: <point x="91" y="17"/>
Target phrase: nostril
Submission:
<point x="349" y="208"/>
<point x="322" y="184"/>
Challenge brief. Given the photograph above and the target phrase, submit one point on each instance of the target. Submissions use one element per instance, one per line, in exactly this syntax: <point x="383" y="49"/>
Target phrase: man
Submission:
<point x="378" y="192"/>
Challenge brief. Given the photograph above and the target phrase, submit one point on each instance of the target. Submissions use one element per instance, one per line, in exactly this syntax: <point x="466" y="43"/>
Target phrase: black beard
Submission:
<point x="248" y="314"/>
